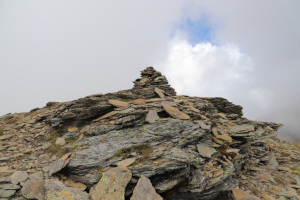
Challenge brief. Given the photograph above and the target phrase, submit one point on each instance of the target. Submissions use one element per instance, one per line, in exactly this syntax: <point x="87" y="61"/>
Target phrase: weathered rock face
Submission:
<point x="145" y="140"/>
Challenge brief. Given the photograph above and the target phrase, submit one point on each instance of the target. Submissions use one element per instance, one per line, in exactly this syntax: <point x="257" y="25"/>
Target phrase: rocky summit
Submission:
<point x="144" y="143"/>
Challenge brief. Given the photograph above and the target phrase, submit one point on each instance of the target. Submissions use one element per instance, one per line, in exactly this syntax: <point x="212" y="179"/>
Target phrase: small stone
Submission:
<point x="46" y="146"/>
<point x="139" y="101"/>
<point x="39" y="175"/>
<point x="60" y="141"/>
<point x="297" y="180"/>
<point x="72" y="129"/>
<point x="119" y="104"/>
<point x="7" y="193"/>
<point x="126" y="162"/>
<point x="205" y="151"/>
<point x="194" y="109"/>
<point x="18" y="176"/>
<point x="4" y="159"/>
<point x="112" y="184"/>
<point x="145" y="190"/>
<point x="241" y="195"/>
<point x="56" y="190"/>
<point x="175" y="112"/>
<point x="159" y="92"/>
<point x="241" y="129"/>
<point x="217" y="173"/>
<point x="84" y="129"/>
<point x="34" y="189"/>
<point x="152" y="116"/>
<point x="56" y="167"/>
<point x="71" y="183"/>
<point x="5" y="180"/>
<point x="169" y="103"/>
<point x="9" y="187"/>
<point x="283" y="168"/>
<point x="81" y="136"/>
<point x="224" y="137"/>
<point x="4" y="137"/>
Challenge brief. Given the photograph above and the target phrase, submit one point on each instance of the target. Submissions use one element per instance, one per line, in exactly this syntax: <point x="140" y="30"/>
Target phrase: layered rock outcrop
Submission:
<point x="148" y="143"/>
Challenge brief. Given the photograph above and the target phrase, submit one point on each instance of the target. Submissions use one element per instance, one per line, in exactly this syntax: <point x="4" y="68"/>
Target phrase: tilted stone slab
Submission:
<point x="112" y="184"/>
<point x="241" y="129"/>
<point x="18" y="176"/>
<point x="205" y="151"/>
<point x="145" y="190"/>
<point x="56" y="190"/>
<point x="159" y="92"/>
<point x="152" y="116"/>
<point x="34" y="189"/>
<point x="175" y="112"/>
<point x="119" y="104"/>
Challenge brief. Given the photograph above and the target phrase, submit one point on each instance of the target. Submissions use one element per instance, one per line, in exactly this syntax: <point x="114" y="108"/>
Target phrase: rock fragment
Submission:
<point x="119" y="104"/>
<point x="152" y="116"/>
<point x="34" y="189"/>
<point x="56" y="190"/>
<point x="175" y="112"/>
<point x="7" y="193"/>
<point x="159" y="92"/>
<point x="18" y="176"/>
<point x="241" y="195"/>
<point x="112" y="184"/>
<point x="226" y="138"/>
<point x="60" y="141"/>
<point x="145" y="190"/>
<point x="205" y="151"/>
<point x="126" y="162"/>
<point x="241" y="129"/>
<point x="59" y="164"/>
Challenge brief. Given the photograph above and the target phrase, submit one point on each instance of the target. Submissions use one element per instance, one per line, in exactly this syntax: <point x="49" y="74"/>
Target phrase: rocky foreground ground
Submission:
<point x="144" y="143"/>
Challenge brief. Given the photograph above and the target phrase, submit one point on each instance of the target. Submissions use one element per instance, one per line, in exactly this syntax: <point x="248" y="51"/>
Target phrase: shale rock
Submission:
<point x="112" y="184"/>
<point x="145" y="142"/>
<point x="145" y="190"/>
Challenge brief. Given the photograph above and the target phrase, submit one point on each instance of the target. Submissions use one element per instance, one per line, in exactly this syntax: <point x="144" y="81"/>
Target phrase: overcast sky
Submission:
<point x="245" y="51"/>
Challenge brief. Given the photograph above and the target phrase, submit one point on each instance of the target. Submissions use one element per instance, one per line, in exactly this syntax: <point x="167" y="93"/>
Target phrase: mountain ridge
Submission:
<point x="145" y="141"/>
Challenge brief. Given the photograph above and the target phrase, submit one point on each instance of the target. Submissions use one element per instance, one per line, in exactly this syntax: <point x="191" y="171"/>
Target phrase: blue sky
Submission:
<point x="197" y="31"/>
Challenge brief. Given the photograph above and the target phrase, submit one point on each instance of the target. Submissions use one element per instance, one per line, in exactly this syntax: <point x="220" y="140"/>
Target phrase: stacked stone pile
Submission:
<point x="144" y="142"/>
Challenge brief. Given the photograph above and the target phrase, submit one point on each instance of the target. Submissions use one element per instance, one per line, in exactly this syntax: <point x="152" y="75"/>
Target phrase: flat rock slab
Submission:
<point x="205" y="151"/>
<point x="60" y="141"/>
<point x="241" y="129"/>
<point x="159" y="92"/>
<point x="34" y="189"/>
<point x="71" y="183"/>
<point x="59" y="164"/>
<point x="152" y="116"/>
<point x="126" y="162"/>
<point x="241" y="195"/>
<point x="119" y="104"/>
<point x="18" y="176"/>
<point x="112" y="184"/>
<point x="169" y="103"/>
<point x="9" y="187"/>
<point x="6" y="193"/>
<point x="4" y="137"/>
<point x="175" y="112"/>
<point x="145" y="191"/>
<point x="226" y="138"/>
<point x="56" y="190"/>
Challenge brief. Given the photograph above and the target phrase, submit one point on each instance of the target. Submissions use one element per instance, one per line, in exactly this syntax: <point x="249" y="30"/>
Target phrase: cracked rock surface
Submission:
<point x="145" y="140"/>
